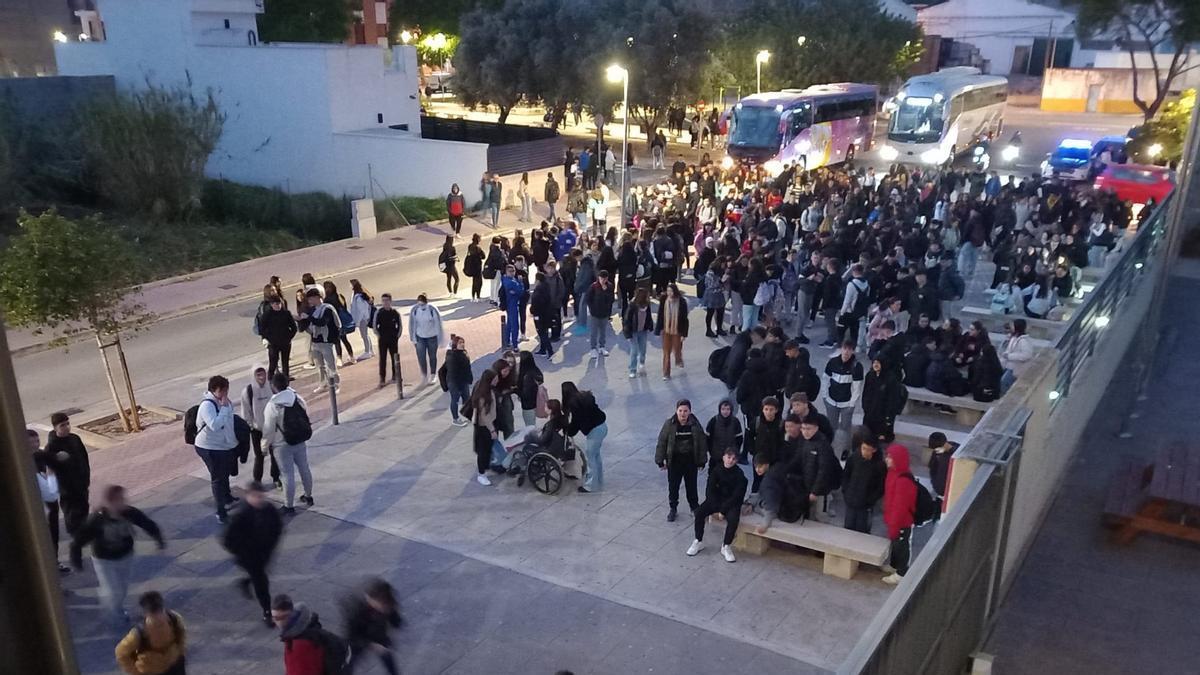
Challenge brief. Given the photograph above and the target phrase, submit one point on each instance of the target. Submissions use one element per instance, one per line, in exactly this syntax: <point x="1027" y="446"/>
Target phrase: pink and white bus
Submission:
<point x="823" y="124"/>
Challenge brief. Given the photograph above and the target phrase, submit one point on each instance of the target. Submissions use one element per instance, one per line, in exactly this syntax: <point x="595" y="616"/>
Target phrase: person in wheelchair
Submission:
<point x="550" y="438"/>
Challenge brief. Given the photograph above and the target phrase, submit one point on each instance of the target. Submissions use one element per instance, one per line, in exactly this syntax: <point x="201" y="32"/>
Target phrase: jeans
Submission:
<point x="749" y="316"/>
<point x="841" y="420"/>
<point x="260" y="457"/>
<point x="637" y="351"/>
<point x="278" y="357"/>
<point x="682" y="468"/>
<point x="458" y="394"/>
<point x="597" y="331"/>
<point x="902" y="551"/>
<point x="803" y="305"/>
<point x="113" y="577"/>
<point x="714" y="312"/>
<point x="733" y="516"/>
<point x="550" y="216"/>
<point x="74" y="510"/>
<point x="831" y="324"/>
<point x="322" y="353"/>
<point x="526" y="208"/>
<point x="221" y="464"/>
<point x="1096" y="255"/>
<point x="294" y="457"/>
<point x="426" y="354"/>
<point x="1007" y="379"/>
<point x="456" y="222"/>
<point x="388" y="350"/>
<point x="858" y="520"/>
<point x="364" y="332"/>
<point x="656" y="154"/>
<point x="594" y="480"/>
<point x="672" y="345"/>
<point x="529" y="417"/>
<point x="495" y="211"/>
<point x="499" y="454"/>
<point x="968" y="255"/>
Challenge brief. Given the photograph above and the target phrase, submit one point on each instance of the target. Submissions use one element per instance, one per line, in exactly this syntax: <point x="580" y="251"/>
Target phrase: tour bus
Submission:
<point x="942" y="114"/>
<point x="823" y="124"/>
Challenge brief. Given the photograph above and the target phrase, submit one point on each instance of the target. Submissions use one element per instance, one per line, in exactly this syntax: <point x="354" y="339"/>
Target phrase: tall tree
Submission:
<point x="59" y="275"/>
<point x="148" y="149"/>
<point x="433" y="16"/>
<point x="492" y="62"/>
<point x="305" y="21"/>
<point x="1165" y="30"/>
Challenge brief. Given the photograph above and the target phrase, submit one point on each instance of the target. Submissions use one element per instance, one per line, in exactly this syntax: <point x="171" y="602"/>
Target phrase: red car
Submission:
<point x="1137" y="182"/>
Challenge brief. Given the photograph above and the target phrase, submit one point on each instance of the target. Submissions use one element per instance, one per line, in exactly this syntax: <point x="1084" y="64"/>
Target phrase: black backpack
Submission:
<point x="334" y="650"/>
<point x="191" y="424"/>
<point x="926" y="508"/>
<point x="862" y="302"/>
<point x="296" y="426"/>
<point x="716" y="361"/>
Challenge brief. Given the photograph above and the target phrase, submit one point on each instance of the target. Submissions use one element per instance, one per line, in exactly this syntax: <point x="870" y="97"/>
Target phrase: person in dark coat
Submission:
<point x="67" y="456"/>
<point x="862" y="482"/>
<point x="370" y="616"/>
<point x="985" y="374"/>
<point x="816" y="461"/>
<point x="755" y="383"/>
<point x="799" y="375"/>
<point x="939" y="464"/>
<point x="941" y="377"/>
<point x="766" y="442"/>
<point x="388" y="327"/>
<point x="801" y="406"/>
<point x="925" y="299"/>
<point x="883" y="399"/>
<point x="682" y="449"/>
<point x="251" y="536"/>
<point x="277" y="327"/>
<point x="724" y="430"/>
<point x="916" y="362"/>
<point x="723" y="499"/>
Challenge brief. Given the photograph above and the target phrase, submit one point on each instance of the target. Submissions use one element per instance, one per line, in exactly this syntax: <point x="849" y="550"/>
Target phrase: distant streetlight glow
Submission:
<point x="406" y="36"/>
<point x="759" y="59"/>
<point x="801" y="40"/>
<point x="60" y="36"/>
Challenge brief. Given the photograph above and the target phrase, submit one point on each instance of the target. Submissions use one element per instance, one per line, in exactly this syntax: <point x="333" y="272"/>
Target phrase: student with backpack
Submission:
<point x="286" y="429"/>
<point x="255" y="397"/>
<point x="308" y="649"/>
<point x="109" y="531"/>
<point x="215" y="439"/>
<point x="157" y="644"/>
<point x="899" y="510"/>
<point x="855" y="303"/>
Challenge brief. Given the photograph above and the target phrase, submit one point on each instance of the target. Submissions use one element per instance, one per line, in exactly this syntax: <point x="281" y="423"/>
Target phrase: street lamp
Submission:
<point x="801" y="40"/>
<point x="618" y="74"/>
<point x="759" y="59"/>
<point x="406" y="36"/>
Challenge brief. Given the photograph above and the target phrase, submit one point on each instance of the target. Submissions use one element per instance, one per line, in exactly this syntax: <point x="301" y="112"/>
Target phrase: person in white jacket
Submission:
<point x="362" y="310"/>
<point x="48" y="487"/>
<point x="1016" y="355"/>
<point x="292" y="457"/>
<point x="216" y="440"/>
<point x="254" y="404"/>
<point x="427" y="334"/>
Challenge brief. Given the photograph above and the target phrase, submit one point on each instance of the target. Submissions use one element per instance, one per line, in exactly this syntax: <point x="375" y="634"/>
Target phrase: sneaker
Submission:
<point x="709" y="333"/>
<point x="666" y="377"/>
<point x="595" y="353"/>
<point x="582" y="489"/>
<point x="827" y="345"/>
<point x="721" y="332"/>
<point x="222" y="518"/>
<point x="892" y="579"/>
<point x="288" y="510"/>
<point x="641" y="369"/>
<point x="888" y="569"/>
<point x="603" y="352"/>
<point x="306" y="499"/>
<point x="364" y="357"/>
<point x="63" y="569"/>
<point x="632" y="375"/>
<point x="696" y="547"/>
<point x="460" y="422"/>
<point x="671" y="515"/>
<point x="320" y="389"/>
<point x="727" y="553"/>
<point x="483" y="480"/>
<point x="382" y="384"/>
<point x="270" y="623"/>
<point x="522" y="337"/>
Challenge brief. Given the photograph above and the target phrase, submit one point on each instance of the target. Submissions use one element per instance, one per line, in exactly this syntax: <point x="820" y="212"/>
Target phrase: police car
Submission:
<point x="1070" y="160"/>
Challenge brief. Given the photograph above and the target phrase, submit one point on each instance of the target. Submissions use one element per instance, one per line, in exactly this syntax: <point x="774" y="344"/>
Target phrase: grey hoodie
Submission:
<point x="302" y="617"/>
<point x="254" y="399"/>
<point x="273" y="416"/>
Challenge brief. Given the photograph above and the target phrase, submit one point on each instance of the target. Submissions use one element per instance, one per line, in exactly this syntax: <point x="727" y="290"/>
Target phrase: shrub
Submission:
<point x="308" y="215"/>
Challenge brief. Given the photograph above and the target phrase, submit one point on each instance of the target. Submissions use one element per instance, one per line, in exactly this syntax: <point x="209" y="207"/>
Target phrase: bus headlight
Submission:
<point x="773" y="167"/>
<point x="1010" y="153"/>
<point x="727" y="163"/>
<point x="887" y="153"/>
<point x="934" y="156"/>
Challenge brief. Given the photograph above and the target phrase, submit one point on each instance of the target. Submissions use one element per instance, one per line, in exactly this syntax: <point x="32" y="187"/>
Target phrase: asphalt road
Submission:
<point x="171" y="361"/>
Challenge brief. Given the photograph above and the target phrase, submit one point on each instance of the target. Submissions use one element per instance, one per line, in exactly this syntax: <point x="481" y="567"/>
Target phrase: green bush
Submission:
<point x="415" y="210"/>
<point x="308" y="215"/>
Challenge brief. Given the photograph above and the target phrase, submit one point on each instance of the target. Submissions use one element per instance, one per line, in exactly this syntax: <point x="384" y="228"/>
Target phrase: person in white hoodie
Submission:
<point x="292" y="456"/>
<point x="427" y="334"/>
<point x="1016" y="355"/>
<point x="254" y="403"/>
<point x="216" y="440"/>
<point x="362" y="310"/>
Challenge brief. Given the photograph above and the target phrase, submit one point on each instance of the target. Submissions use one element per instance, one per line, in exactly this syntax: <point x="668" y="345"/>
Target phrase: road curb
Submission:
<point x="81" y="335"/>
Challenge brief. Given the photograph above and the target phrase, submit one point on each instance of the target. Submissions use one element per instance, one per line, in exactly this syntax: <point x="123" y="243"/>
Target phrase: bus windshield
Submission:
<point x="917" y="120"/>
<point x="754" y="127"/>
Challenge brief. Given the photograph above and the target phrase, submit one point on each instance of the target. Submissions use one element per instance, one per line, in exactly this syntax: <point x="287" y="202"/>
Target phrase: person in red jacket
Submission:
<point x="899" y="503"/>
<point x="299" y="627"/>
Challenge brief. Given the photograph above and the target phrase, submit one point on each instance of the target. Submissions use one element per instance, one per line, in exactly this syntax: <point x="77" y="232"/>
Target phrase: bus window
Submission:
<point x="917" y="120"/>
<point x="754" y="127"/>
<point x="799" y="121"/>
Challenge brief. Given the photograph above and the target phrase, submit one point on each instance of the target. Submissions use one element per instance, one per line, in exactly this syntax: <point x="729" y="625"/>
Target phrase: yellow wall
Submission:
<point x="1066" y="89"/>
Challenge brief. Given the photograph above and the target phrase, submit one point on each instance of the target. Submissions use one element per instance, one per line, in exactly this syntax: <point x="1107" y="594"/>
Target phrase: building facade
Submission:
<point x="340" y="119"/>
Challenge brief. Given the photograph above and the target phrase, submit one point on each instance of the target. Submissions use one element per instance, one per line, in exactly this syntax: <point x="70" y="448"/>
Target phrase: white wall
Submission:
<point x="404" y="164"/>
<point x="1120" y="59"/>
<point x="997" y="27"/>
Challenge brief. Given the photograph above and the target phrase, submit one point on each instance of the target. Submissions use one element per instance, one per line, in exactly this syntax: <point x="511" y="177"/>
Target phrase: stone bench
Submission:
<point x="844" y="549"/>
<point x="1042" y="329"/>
<point x="968" y="411"/>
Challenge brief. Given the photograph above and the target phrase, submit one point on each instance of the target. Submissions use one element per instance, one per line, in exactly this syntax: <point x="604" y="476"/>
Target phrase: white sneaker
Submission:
<point x="641" y="369"/>
<point x="666" y="377"/>
<point x="892" y="579"/>
<point x="308" y="366"/>
<point x="603" y="352"/>
<point x="483" y="480"/>
<point x="696" y="547"/>
<point x="522" y="337"/>
<point x="460" y="422"/>
<point x="595" y="353"/>
<point x="632" y="376"/>
<point x="727" y="553"/>
<point x="320" y="389"/>
<point x="888" y="569"/>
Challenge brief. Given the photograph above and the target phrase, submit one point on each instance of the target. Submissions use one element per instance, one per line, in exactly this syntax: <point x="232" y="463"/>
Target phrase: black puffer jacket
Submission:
<point x="818" y="465"/>
<point x="863" y="479"/>
<point x="755" y="384"/>
<point x="801" y="376"/>
<point x="735" y="360"/>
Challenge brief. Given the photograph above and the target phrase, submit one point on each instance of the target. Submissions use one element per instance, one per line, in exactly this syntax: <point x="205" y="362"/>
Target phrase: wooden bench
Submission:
<point x="1126" y="491"/>
<point x="968" y="411"/>
<point x="844" y="549"/>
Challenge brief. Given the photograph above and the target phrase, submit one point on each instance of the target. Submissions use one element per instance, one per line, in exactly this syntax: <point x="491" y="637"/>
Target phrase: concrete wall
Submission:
<point x="405" y="164"/>
<point x="1120" y="59"/>
<point x="1067" y="89"/>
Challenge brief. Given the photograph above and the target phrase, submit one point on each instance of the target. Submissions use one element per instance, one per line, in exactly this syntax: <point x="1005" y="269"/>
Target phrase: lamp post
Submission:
<point x="801" y="40"/>
<point x="759" y="59"/>
<point x="618" y="74"/>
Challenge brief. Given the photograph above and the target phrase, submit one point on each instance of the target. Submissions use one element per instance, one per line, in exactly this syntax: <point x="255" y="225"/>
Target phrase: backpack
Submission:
<point x="790" y="281"/>
<point x="335" y="651"/>
<point x="191" y="424"/>
<point x="347" y="321"/>
<point x="926" y="508"/>
<point x="716" y="362"/>
<point x="296" y="426"/>
<point x="862" y="302"/>
<point x="241" y="432"/>
<point x="143" y="644"/>
<point x="441" y="375"/>
<point x="765" y="294"/>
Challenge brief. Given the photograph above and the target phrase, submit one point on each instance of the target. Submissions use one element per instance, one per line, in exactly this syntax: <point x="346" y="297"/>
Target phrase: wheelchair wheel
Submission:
<point x="545" y="473"/>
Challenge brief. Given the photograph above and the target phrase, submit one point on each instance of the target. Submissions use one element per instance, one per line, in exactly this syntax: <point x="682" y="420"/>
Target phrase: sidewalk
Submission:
<point x="196" y="292"/>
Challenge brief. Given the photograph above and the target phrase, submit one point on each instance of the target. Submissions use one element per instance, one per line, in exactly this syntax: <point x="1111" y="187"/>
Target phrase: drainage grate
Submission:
<point x="354" y="248"/>
<point x="397" y="238"/>
<point x="399" y="248"/>
<point x="227" y="287"/>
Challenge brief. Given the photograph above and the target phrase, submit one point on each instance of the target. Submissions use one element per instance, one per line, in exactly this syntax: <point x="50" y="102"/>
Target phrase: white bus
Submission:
<point x="942" y="114"/>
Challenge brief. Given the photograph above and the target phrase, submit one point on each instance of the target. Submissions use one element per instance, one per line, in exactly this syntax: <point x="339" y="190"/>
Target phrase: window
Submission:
<point x="845" y="109"/>
<point x="754" y="127"/>
<point x="917" y="120"/>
